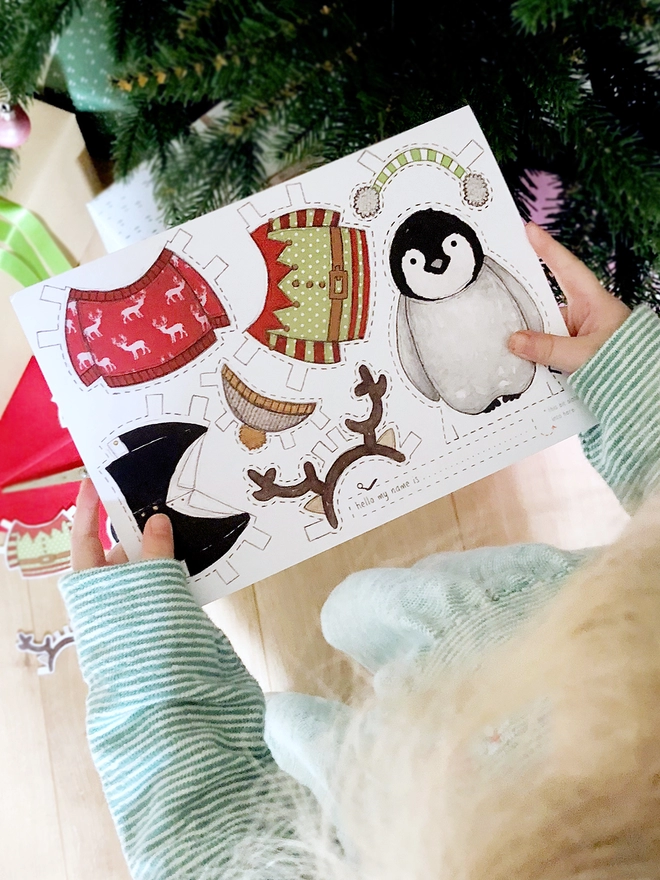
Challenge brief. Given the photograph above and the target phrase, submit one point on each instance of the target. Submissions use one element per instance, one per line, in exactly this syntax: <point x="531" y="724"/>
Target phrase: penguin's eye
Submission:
<point x="413" y="261"/>
<point x="453" y="242"/>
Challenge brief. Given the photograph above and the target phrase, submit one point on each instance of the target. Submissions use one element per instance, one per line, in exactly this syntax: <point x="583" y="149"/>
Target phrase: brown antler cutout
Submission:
<point x="48" y="650"/>
<point x="325" y="489"/>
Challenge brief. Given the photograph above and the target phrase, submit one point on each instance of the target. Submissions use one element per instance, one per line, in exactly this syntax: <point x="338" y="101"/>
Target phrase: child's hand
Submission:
<point x="592" y="314"/>
<point x="86" y="549"/>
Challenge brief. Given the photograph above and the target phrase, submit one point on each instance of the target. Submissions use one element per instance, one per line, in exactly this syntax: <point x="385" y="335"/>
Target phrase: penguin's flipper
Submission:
<point x="409" y="356"/>
<point x="522" y="298"/>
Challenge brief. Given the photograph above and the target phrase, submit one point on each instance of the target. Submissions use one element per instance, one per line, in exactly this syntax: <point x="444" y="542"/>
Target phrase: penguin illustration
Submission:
<point x="457" y="310"/>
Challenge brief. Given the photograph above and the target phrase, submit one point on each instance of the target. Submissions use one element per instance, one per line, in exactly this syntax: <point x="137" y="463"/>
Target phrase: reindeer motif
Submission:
<point x="130" y="312"/>
<point x="85" y="359"/>
<point x="202" y="295"/>
<point x="105" y="364"/>
<point x="73" y="307"/>
<point x="92" y="330"/>
<point x="171" y="331"/>
<point x="201" y="318"/>
<point x="70" y="326"/>
<point x="135" y="347"/>
<point x="174" y="293"/>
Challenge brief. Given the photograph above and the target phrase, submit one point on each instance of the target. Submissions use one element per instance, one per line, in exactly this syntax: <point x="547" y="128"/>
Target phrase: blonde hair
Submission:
<point x="420" y="793"/>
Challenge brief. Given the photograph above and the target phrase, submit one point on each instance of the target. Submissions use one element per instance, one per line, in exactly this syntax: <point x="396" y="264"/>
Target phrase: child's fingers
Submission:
<point x="86" y="548"/>
<point x="116" y="555"/>
<point x="574" y="278"/>
<point x="157" y="539"/>
<point x="565" y="353"/>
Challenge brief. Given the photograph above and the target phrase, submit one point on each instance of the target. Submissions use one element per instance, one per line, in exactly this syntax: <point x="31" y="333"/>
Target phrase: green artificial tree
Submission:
<point x="570" y="87"/>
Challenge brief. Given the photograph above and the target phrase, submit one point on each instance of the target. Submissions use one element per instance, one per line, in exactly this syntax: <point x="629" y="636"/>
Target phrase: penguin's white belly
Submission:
<point x="462" y="344"/>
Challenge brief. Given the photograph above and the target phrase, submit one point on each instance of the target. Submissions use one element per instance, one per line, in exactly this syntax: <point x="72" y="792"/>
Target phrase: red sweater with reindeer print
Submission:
<point x="143" y="331"/>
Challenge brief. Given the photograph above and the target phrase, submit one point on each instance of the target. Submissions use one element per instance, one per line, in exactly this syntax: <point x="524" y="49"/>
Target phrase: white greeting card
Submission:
<point x="295" y="369"/>
<point x="126" y="212"/>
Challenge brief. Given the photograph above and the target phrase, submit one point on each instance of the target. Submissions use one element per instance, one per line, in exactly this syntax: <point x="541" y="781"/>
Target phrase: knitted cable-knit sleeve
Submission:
<point x="620" y="384"/>
<point x="175" y="722"/>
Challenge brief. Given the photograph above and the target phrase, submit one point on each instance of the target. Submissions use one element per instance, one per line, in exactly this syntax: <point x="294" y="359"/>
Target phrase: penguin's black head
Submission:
<point x="425" y="231"/>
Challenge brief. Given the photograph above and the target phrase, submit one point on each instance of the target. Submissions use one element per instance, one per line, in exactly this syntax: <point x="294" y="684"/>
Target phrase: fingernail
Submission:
<point x="87" y="495"/>
<point x="519" y="342"/>
<point x="160" y="524"/>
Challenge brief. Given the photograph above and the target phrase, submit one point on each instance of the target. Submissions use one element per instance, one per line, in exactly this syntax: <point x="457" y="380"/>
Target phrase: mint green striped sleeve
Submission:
<point x="175" y="722"/>
<point x="620" y="384"/>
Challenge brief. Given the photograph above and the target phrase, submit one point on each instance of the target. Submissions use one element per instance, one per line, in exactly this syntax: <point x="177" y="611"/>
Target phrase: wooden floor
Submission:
<point x="53" y="819"/>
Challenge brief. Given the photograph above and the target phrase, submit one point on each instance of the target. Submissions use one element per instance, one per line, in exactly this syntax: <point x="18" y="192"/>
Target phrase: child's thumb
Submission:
<point x="157" y="539"/>
<point x="565" y="353"/>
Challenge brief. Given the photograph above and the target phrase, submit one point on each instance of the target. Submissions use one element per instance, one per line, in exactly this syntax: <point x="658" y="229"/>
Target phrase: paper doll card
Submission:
<point x="298" y="368"/>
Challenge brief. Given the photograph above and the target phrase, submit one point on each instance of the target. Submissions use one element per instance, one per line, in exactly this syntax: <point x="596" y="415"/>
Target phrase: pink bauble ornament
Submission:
<point x="14" y="126"/>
